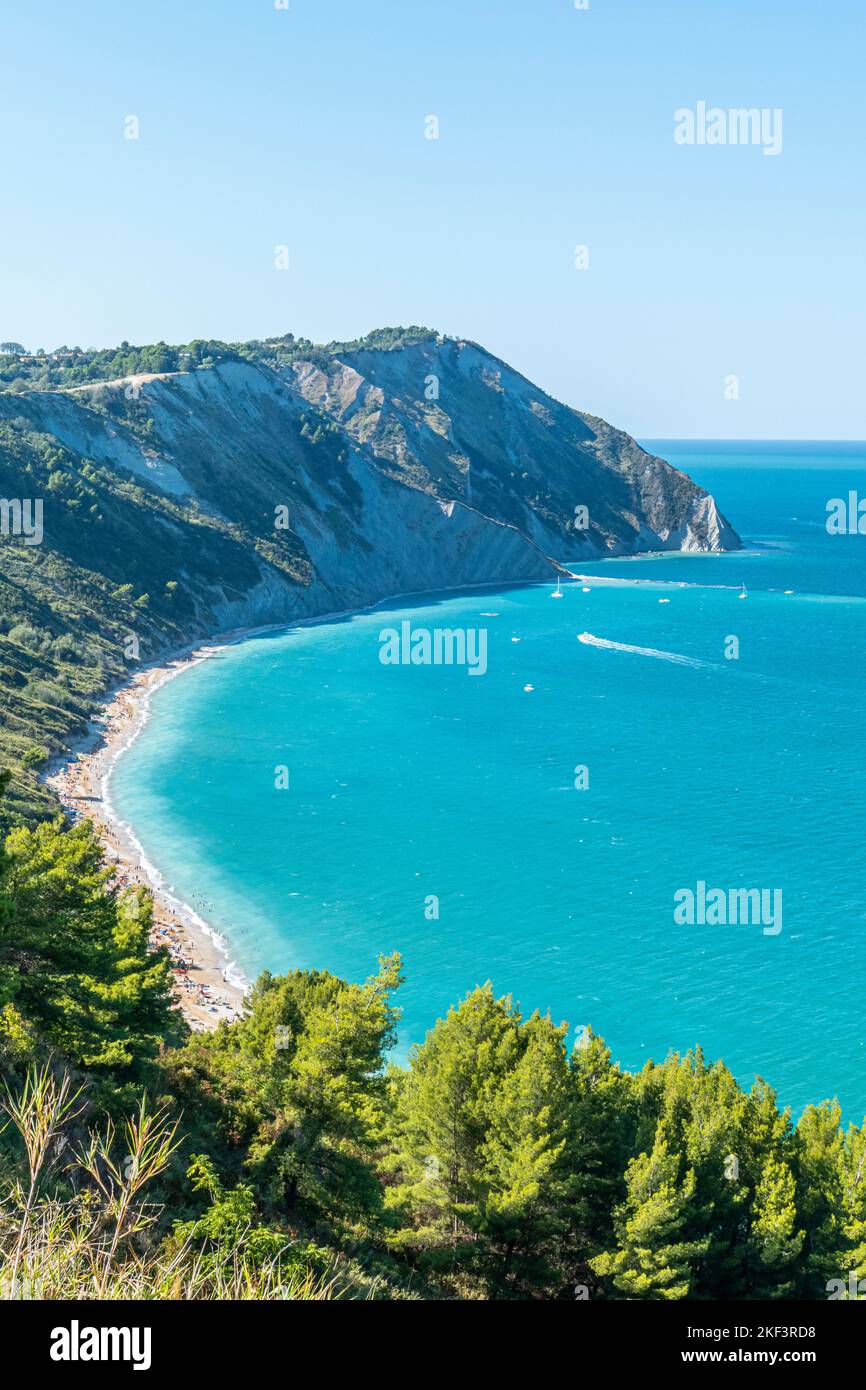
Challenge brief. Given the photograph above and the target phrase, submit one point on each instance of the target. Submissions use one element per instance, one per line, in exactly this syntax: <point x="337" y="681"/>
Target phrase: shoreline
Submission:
<point x="208" y="986"/>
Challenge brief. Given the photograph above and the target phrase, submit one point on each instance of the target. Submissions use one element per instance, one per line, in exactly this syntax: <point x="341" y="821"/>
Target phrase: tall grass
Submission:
<point x="100" y="1242"/>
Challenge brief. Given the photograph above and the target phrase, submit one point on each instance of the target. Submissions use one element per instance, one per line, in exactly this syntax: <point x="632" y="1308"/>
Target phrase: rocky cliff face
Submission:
<point x="278" y="481"/>
<point x="357" y="474"/>
<point x="448" y="418"/>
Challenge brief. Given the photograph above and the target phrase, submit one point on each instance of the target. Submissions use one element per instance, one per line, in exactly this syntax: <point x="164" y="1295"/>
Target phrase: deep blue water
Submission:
<point x="412" y="781"/>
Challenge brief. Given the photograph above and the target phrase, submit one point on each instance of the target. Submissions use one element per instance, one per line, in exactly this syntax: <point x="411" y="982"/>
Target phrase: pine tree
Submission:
<point x="819" y="1163"/>
<point x="295" y="1092"/>
<point x="444" y="1116"/>
<point x="851" y="1258"/>
<point x="775" y="1242"/>
<point x="76" y="974"/>
<point x="524" y="1211"/>
<point x="655" y="1254"/>
<point x="602" y="1125"/>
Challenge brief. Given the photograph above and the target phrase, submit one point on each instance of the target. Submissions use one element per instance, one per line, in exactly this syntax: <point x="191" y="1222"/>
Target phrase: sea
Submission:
<point x="544" y="823"/>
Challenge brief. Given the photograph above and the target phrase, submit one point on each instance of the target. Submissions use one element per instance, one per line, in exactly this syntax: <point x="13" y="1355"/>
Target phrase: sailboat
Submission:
<point x="557" y="593"/>
<point x="743" y="593"/>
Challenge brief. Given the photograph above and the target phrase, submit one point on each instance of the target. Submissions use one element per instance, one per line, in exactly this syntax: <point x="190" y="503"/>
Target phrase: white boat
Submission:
<point x="743" y="594"/>
<point x="557" y="593"/>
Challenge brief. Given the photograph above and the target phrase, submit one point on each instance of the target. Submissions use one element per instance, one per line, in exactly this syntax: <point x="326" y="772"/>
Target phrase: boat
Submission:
<point x="557" y="593"/>
<point x="743" y="593"/>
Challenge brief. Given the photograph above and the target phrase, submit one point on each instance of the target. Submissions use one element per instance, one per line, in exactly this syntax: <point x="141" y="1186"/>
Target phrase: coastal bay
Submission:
<point x="465" y="780"/>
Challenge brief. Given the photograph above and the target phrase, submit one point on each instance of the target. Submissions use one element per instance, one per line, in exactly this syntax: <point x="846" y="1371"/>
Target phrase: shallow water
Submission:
<point x="413" y="782"/>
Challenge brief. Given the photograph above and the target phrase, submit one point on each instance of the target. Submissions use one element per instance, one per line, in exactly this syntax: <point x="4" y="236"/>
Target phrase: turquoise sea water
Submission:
<point x="413" y="781"/>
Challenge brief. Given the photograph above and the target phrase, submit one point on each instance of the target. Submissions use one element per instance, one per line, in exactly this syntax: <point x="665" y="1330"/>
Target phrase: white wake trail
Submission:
<point x="590" y="640"/>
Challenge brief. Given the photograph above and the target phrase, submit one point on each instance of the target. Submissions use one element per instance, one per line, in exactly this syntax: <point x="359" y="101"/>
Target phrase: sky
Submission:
<point x="721" y="293"/>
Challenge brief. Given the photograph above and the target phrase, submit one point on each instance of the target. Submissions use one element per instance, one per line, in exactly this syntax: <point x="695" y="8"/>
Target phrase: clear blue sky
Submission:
<point x="306" y="127"/>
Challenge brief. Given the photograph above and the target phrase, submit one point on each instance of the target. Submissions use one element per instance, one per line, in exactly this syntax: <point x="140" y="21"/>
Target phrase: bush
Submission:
<point x="34" y="756"/>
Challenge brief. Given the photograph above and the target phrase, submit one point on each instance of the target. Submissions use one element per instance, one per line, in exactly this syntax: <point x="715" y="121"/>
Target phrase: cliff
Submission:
<point x="279" y="480"/>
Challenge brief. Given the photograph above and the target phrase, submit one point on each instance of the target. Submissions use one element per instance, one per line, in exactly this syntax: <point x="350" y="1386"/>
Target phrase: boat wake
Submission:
<point x="590" y="640"/>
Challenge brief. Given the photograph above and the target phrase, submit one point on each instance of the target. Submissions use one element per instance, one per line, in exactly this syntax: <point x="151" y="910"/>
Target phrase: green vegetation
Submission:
<point x="76" y="977"/>
<point x="283" y="1157"/>
<point x="103" y="593"/>
<point x="159" y="503"/>
<point x="90" y="1233"/>
<point x="66" y="367"/>
<point x="128" y="571"/>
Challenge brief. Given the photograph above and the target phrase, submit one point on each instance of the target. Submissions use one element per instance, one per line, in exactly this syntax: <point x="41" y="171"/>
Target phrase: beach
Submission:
<point x="204" y="986"/>
<point x="207" y="985"/>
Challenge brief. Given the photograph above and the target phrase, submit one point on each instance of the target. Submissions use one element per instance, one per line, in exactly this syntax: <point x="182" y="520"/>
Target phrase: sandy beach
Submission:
<point x="207" y="987"/>
<point x="204" y="987"/>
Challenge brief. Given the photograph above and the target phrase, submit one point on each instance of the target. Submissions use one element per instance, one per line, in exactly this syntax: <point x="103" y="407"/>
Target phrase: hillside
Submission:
<point x="189" y="491"/>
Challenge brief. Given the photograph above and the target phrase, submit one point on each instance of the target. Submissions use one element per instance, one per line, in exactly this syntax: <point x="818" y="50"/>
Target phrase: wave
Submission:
<point x="590" y="640"/>
<point x="159" y="885"/>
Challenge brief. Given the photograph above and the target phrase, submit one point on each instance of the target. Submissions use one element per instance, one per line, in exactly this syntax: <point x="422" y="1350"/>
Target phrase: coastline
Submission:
<point x="208" y="986"/>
